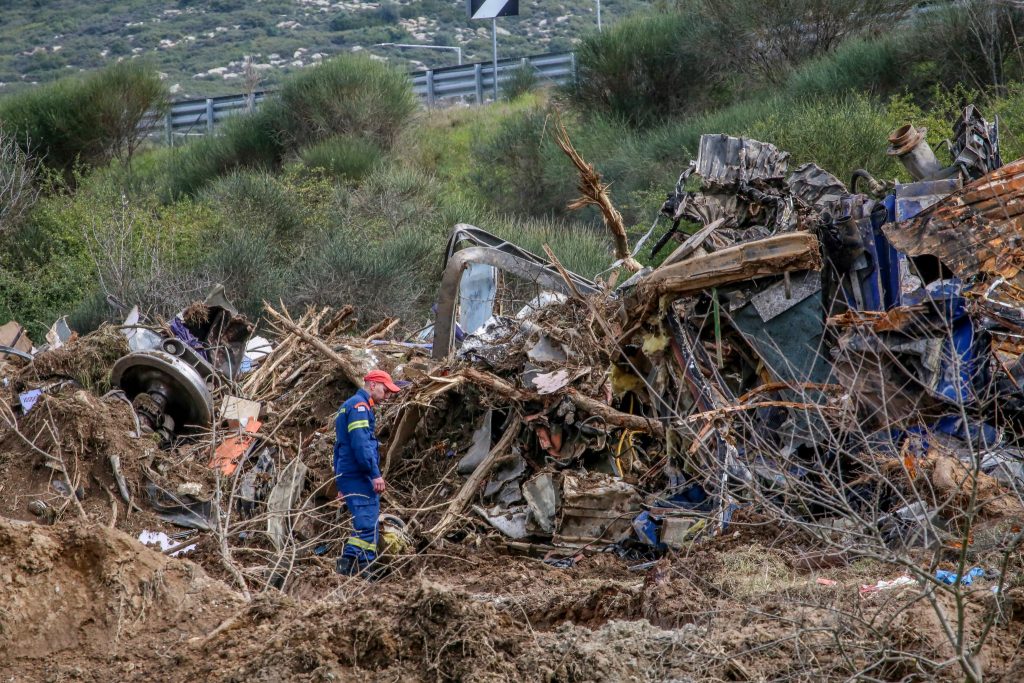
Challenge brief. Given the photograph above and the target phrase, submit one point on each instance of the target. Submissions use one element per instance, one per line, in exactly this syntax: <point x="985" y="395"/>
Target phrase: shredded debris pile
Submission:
<point x="832" y="374"/>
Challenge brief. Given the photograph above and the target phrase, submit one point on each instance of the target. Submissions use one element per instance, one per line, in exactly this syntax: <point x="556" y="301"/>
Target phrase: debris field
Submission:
<point x="788" y="451"/>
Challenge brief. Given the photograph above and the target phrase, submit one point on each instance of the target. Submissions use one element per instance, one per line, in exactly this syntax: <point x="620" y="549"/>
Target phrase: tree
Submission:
<point x="767" y="39"/>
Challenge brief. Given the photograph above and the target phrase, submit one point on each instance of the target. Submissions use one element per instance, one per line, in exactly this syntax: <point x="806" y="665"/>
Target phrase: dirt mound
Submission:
<point x="66" y="443"/>
<point x="76" y="595"/>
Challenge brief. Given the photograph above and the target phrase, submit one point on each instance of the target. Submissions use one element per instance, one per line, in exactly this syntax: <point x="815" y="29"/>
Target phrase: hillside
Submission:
<point x="199" y="46"/>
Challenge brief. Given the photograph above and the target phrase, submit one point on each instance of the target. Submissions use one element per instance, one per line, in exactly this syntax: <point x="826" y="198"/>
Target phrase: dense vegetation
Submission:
<point x="340" y="190"/>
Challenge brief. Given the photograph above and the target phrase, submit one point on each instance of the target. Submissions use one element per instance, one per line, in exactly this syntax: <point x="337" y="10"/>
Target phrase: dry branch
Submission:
<point x="350" y="370"/>
<point x="595" y="193"/>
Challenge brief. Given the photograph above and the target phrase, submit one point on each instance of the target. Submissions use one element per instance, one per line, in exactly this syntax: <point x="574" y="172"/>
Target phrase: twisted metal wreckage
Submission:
<point x="802" y="325"/>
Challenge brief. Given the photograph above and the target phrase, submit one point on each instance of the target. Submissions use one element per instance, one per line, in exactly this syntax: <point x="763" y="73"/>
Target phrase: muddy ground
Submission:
<point x="84" y="602"/>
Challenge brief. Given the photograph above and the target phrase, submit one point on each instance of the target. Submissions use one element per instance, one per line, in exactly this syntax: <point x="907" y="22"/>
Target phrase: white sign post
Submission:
<point x="492" y="9"/>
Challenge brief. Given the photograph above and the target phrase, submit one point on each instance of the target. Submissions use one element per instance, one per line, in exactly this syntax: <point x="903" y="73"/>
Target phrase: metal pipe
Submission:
<point x="494" y="47"/>
<point x="909" y="145"/>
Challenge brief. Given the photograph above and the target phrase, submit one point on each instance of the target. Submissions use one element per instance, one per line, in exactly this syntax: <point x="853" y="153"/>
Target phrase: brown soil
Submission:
<point x="88" y="603"/>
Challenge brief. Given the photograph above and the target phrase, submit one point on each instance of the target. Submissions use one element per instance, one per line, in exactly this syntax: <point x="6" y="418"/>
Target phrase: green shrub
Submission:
<point x="85" y="119"/>
<point x="517" y="168"/>
<point x="877" y="66"/>
<point x="976" y="43"/>
<point x="343" y="156"/>
<point x="18" y="182"/>
<point x="649" y="67"/>
<point x="350" y="94"/>
<point x="256" y="199"/>
<point x="382" y="274"/>
<point x="244" y="141"/>
<point x="766" y="40"/>
<point x="522" y="80"/>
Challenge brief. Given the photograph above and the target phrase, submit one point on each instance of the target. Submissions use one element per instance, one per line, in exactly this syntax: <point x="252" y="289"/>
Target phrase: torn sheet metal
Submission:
<point x="544" y="351"/>
<point x="240" y="410"/>
<point x="550" y="382"/>
<point x="283" y="498"/>
<point x="509" y="521"/>
<point x="975" y="147"/>
<point x="477" y="290"/>
<point x="15" y="337"/>
<point x="777" y="298"/>
<point x="978" y="230"/>
<point x="59" y="333"/>
<point x="723" y="160"/>
<point x="543" y="498"/>
<point x="596" y="509"/>
<point x="913" y="198"/>
<point x="231" y="450"/>
<point x="817" y="187"/>
<point x="478" y="448"/>
<point x="181" y="510"/>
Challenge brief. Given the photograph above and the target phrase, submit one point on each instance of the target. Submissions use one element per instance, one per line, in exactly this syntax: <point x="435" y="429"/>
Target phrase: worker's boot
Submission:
<point x="347" y="566"/>
<point x="375" y="571"/>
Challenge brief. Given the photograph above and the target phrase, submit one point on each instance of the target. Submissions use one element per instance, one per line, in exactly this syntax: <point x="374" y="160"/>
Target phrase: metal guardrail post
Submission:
<point x="430" y="87"/>
<point x="572" y="69"/>
<point x="478" y="82"/>
<point x="168" y="131"/>
<point x="209" y="116"/>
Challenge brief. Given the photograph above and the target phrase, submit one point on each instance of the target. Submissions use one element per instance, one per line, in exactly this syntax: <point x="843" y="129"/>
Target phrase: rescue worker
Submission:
<point x="357" y="470"/>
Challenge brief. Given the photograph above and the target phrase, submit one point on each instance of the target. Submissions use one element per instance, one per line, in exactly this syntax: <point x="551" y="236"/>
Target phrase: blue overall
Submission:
<point x="355" y="468"/>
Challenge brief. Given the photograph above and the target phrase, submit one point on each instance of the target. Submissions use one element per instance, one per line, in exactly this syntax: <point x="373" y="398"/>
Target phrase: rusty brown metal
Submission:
<point x="978" y="230"/>
<point x="896" y="319"/>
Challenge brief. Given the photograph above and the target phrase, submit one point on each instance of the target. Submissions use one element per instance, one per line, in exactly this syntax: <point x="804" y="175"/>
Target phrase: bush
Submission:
<point x="249" y="198"/>
<point x="352" y="95"/>
<point x="879" y="66"/>
<point x="244" y="141"/>
<point x="522" y="80"/>
<point x="650" y="67"/>
<point x="343" y="156"/>
<point x="18" y="186"/>
<point x="767" y="40"/>
<point x="85" y="119"/>
<point x="975" y="43"/>
<point x="518" y="168"/>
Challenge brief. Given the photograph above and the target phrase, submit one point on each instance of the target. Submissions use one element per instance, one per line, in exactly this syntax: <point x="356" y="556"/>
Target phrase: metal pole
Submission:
<point x="494" y="46"/>
<point x="209" y="116"/>
<point x="598" y="16"/>
<point x="460" y="55"/>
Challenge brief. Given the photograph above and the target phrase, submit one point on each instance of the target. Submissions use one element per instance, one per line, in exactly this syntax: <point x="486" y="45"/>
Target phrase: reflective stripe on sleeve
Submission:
<point x="359" y="424"/>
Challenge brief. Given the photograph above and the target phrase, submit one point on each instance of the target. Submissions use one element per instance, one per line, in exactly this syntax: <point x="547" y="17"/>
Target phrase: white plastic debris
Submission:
<point x="164" y="541"/>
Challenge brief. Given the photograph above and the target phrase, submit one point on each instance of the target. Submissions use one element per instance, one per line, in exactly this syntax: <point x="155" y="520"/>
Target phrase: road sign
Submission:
<point x="490" y="9"/>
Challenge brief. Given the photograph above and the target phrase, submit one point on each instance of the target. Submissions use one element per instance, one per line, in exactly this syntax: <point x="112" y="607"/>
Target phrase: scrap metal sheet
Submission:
<point x="977" y="230"/>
